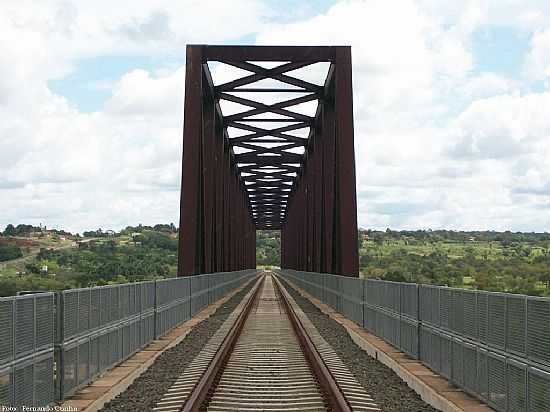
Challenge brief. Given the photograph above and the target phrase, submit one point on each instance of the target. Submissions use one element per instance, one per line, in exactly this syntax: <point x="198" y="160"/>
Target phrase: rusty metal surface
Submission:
<point x="269" y="165"/>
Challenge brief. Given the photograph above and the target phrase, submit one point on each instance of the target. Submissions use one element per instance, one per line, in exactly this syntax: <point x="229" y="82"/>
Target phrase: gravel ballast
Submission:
<point x="151" y="385"/>
<point x="385" y="387"/>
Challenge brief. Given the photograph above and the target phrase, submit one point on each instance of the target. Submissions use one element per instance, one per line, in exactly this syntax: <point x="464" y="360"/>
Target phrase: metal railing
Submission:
<point x="52" y="344"/>
<point x="495" y="346"/>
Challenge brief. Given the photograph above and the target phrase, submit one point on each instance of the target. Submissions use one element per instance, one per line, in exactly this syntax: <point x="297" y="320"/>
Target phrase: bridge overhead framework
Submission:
<point x="268" y="144"/>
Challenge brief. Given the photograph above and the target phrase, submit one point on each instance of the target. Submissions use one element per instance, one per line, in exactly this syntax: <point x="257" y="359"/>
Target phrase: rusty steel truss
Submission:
<point x="254" y="158"/>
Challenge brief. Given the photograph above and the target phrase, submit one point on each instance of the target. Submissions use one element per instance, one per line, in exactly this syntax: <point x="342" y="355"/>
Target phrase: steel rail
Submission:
<point x="205" y="383"/>
<point x="332" y="393"/>
<point x="328" y="384"/>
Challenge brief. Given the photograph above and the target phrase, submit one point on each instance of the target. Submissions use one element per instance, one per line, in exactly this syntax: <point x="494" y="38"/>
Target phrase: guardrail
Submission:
<point x="52" y="344"/>
<point x="495" y="346"/>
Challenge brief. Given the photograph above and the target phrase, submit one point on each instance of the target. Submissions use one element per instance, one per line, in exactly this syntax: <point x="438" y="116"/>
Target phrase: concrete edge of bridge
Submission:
<point x="432" y="388"/>
<point x="94" y="396"/>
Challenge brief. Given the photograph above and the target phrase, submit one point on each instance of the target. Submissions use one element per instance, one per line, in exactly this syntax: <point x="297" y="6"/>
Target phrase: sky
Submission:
<point x="451" y="106"/>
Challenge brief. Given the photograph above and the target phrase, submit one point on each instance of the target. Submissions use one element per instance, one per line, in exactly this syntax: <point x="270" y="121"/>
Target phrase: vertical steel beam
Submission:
<point x="347" y="252"/>
<point x="210" y="142"/>
<point x="190" y="235"/>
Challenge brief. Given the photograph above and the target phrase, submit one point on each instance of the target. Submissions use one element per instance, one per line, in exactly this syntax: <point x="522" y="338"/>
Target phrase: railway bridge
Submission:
<point x="268" y="144"/>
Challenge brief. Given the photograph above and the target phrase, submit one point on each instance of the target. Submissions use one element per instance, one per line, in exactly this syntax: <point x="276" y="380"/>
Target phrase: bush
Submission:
<point x="9" y="252"/>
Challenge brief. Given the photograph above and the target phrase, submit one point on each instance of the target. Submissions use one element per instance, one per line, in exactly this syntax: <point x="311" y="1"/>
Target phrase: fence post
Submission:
<point x="155" y="309"/>
<point x="58" y="355"/>
<point x="419" y="322"/>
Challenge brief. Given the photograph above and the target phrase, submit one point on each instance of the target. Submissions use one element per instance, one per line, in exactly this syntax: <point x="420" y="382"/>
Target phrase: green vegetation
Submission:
<point x="507" y="262"/>
<point x="51" y="260"/>
<point x="268" y="245"/>
<point x="9" y="252"/>
<point x="139" y="254"/>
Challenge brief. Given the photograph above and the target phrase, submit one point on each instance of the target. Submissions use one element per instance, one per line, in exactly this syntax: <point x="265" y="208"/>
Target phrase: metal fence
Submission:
<point x="495" y="346"/>
<point x="54" y="343"/>
<point x="26" y="349"/>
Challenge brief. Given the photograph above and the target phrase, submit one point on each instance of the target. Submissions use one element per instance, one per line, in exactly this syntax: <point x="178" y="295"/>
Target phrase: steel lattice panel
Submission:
<point x="483" y="374"/>
<point x="516" y="316"/>
<point x="497" y="381"/>
<point x="517" y="386"/>
<point x="104" y="353"/>
<point x="539" y="390"/>
<point x="538" y="330"/>
<point x="426" y="355"/>
<point x="446" y="346"/>
<point x="44" y="321"/>
<point x="24" y="325"/>
<point x="124" y="304"/>
<point x="409" y="337"/>
<point x="352" y="298"/>
<point x="497" y="320"/>
<point x="6" y="326"/>
<point x="83" y="311"/>
<point x="147" y="296"/>
<point x="470" y="367"/>
<point x="114" y="303"/>
<point x="482" y="316"/>
<point x="69" y="370"/>
<point x="435" y="349"/>
<point x="6" y="388"/>
<point x="429" y="304"/>
<point x="95" y="308"/>
<point x="83" y="361"/>
<point x="44" y="380"/>
<point x="70" y="314"/>
<point x="29" y="382"/>
<point x="105" y="310"/>
<point x="392" y="296"/>
<point x="457" y="363"/>
<point x="445" y="306"/>
<point x="470" y="314"/>
<point x="23" y="384"/>
<point x="94" y="355"/>
<point x="457" y="311"/>
<point x="409" y="300"/>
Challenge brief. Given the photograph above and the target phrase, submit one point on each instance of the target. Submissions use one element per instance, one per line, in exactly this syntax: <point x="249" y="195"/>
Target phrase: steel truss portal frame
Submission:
<point x="268" y="165"/>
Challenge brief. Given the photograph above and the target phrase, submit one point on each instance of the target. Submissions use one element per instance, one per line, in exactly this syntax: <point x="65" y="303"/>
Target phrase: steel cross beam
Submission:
<point x="290" y="170"/>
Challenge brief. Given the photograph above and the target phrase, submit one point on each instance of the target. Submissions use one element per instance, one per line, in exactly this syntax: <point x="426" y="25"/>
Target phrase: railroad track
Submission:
<point x="267" y="356"/>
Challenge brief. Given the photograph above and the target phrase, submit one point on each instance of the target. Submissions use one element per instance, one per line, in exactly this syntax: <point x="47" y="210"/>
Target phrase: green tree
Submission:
<point x="9" y="252"/>
<point x="10" y="230"/>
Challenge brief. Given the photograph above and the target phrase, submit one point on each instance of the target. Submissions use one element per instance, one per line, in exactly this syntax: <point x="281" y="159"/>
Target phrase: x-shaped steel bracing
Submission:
<point x="270" y="160"/>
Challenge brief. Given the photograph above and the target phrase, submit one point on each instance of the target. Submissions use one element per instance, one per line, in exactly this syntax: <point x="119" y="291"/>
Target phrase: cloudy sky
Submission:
<point x="452" y="105"/>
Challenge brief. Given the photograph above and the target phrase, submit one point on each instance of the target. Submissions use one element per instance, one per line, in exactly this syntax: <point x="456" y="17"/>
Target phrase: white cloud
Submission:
<point x="437" y="144"/>
<point x="487" y="85"/>
<point x="503" y="126"/>
<point x="138" y="93"/>
<point x="538" y="60"/>
<point x="120" y="165"/>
